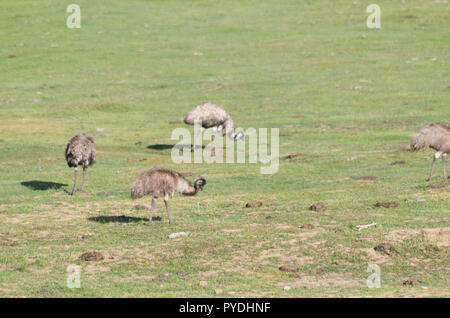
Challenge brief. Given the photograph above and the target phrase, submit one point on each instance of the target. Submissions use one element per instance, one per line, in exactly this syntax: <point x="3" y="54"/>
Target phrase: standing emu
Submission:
<point x="437" y="137"/>
<point x="160" y="182"/>
<point x="80" y="151"/>
<point x="214" y="116"/>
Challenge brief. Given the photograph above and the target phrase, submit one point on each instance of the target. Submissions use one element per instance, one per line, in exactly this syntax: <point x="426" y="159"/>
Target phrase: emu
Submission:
<point x="437" y="137"/>
<point x="80" y="151"/>
<point x="161" y="182"/>
<point x="214" y="116"/>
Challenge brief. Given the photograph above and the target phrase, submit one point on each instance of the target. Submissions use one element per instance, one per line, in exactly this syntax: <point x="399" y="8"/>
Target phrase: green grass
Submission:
<point x="130" y="69"/>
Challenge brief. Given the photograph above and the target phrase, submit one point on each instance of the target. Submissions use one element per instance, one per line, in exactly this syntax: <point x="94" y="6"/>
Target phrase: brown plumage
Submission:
<point x="437" y="137"/>
<point x="161" y="182"/>
<point x="80" y="151"/>
<point x="214" y="116"/>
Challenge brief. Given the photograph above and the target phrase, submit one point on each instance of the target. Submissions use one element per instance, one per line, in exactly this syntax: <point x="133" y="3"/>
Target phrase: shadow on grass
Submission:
<point x="120" y="219"/>
<point x="42" y="185"/>
<point x="167" y="146"/>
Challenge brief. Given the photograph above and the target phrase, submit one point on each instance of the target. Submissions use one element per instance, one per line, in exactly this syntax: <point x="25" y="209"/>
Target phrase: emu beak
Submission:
<point x="239" y="135"/>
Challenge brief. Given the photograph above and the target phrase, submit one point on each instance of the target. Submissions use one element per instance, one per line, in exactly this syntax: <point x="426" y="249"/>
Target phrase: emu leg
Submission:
<point x="213" y="139"/>
<point x="74" y="180"/>
<point x="435" y="157"/>
<point x="151" y="210"/>
<point x="444" y="163"/>
<point x="84" y="177"/>
<point x="166" y="202"/>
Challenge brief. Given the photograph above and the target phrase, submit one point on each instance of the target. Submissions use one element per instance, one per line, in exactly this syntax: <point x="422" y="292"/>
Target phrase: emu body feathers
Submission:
<point x="437" y="137"/>
<point x="80" y="151"/>
<point x="161" y="182"/>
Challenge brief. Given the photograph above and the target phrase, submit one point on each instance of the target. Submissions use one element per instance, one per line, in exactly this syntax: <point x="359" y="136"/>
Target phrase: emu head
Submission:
<point x="199" y="183"/>
<point x="239" y="136"/>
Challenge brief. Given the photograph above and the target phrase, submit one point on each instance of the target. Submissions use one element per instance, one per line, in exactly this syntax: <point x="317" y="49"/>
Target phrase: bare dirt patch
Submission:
<point x="441" y="236"/>
<point x="91" y="256"/>
<point x="386" y="205"/>
<point x="327" y="280"/>
<point x="253" y="204"/>
<point x="436" y="186"/>
<point x="401" y="235"/>
<point x="317" y="207"/>
<point x="366" y="178"/>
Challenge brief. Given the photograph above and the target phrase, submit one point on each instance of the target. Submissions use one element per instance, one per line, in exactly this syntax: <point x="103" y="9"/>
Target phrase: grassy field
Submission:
<point x="346" y="97"/>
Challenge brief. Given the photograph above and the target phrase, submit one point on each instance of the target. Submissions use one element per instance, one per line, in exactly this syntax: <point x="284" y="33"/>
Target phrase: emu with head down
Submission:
<point x="214" y="116"/>
<point x="161" y="182"/>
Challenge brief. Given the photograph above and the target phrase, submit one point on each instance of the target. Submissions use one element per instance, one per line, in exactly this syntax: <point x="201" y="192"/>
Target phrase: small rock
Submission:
<point x="291" y="155"/>
<point x="136" y="159"/>
<point x="369" y="178"/>
<point x="91" y="256"/>
<point x="178" y="234"/>
<point x="288" y="268"/>
<point x="317" y="207"/>
<point x="181" y="273"/>
<point x="85" y="236"/>
<point x="412" y="282"/>
<point x="162" y="277"/>
<point x="253" y="204"/>
<point x="268" y="217"/>
<point x="316" y="271"/>
<point x="45" y="292"/>
<point x="6" y="243"/>
<point x="357" y="88"/>
<point x="100" y="129"/>
<point x="307" y="226"/>
<point x="386" y="205"/>
<point x="383" y="248"/>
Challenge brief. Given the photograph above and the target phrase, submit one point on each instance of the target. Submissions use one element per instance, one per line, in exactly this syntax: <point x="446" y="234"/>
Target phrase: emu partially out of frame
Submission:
<point x="437" y="137"/>
<point x="161" y="182"/>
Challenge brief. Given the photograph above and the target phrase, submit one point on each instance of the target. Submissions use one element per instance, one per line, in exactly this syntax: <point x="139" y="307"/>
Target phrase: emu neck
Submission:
<point x="191" y="191"/>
